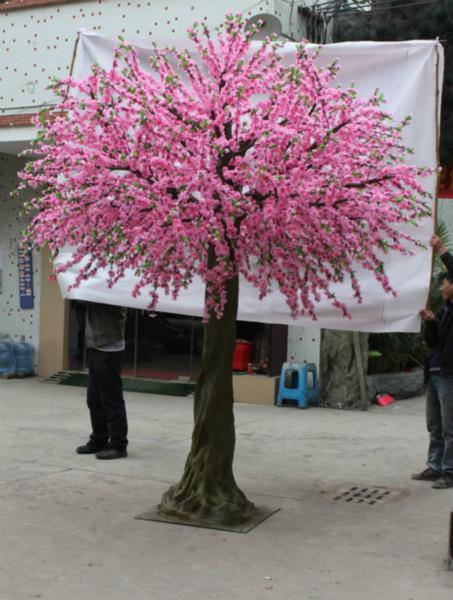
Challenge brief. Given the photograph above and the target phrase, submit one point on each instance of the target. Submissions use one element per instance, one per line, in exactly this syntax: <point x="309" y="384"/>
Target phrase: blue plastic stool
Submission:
<point x="294" y="385"/>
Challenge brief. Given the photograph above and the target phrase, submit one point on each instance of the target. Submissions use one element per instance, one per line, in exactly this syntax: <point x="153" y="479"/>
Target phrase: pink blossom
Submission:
<point x="287" y="178"/>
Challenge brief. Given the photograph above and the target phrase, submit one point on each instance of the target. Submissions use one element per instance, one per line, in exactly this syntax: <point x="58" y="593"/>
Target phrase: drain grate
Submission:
<point x="365" y="495"/>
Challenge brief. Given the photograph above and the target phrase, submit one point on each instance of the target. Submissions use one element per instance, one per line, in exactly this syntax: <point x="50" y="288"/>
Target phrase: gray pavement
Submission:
<point x="67" y="522"/>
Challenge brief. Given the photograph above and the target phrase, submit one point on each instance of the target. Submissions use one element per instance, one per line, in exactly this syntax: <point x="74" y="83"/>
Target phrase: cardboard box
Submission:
<point x="255" y="389"/>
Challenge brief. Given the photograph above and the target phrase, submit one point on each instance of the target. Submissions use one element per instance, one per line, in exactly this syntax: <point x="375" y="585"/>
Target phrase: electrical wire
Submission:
<point x="33" y="106"/>
<point x="384" y="8"/>
<point x="326" y="10"/>
<point x="331" y="6"/>
<point x="348" y="4"/>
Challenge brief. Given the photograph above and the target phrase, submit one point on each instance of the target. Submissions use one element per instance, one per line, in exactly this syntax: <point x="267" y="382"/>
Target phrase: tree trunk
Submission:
<point x="208" y="491"/>
<point x="339" y="376"/>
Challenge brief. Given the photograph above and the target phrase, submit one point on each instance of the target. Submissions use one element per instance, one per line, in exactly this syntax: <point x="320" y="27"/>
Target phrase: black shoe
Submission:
<point x="111" y="453"/>
<point x="90" y="448"/>
<point x="426" y="475"/>
<point x="443" y="483"/>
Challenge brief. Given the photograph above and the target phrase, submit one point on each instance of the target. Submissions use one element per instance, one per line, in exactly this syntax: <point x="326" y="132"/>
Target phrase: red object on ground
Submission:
<point x="242" y="355"/>
<point x="385" y="399"/>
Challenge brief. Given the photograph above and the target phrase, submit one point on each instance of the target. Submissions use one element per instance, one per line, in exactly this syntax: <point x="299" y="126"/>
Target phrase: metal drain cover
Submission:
<point x="369" y="495"/>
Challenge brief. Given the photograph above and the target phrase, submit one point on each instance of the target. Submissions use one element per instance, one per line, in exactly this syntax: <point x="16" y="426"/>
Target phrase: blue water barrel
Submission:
<point x="7" y="357"/>
<point x="24" y="356"/>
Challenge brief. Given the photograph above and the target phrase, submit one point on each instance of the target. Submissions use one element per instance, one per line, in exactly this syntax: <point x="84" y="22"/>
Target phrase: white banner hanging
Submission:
<point x="409" y="74"/>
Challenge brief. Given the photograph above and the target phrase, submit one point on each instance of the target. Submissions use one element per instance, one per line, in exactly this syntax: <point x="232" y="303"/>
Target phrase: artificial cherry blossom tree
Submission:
<point x="221" y="162"/>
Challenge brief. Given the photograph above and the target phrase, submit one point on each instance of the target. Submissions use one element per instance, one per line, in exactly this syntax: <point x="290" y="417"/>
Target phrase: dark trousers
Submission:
<point x="105" y="398"/>
<point x="439" y="419"/>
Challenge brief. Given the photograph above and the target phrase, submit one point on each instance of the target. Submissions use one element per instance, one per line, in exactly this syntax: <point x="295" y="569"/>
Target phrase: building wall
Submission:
<point x="304" y="344"/>
<point x="15" y="321"/>
<point x="292" y="24"/>
<point x="53" y="323"/>
<point x="37" y="44"/>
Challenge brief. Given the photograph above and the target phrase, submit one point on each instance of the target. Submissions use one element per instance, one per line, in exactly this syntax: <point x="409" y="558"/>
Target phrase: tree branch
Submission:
<point x="363" y="184"/>
<point x="330" y="132"/>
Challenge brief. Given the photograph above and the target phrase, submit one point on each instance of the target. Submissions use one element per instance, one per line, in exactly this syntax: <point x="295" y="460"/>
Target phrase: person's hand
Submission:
<point x="427" y="315"/>
<point x="436" y="243"/>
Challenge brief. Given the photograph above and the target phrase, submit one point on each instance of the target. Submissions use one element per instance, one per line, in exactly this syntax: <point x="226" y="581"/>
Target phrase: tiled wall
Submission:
<point x="14" y="320"/>
<point x="304" y="345"/>
<point x="38" y="43"/>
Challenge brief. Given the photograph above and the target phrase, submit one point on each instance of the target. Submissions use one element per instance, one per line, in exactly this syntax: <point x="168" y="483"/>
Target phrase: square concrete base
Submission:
<point x="261" y="513"/>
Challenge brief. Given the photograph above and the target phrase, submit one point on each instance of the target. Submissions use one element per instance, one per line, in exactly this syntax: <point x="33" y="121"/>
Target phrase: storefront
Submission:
<point x="167" y="346"/>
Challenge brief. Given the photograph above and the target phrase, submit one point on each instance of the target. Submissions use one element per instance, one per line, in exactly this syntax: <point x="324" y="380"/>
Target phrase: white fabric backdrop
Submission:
<point x="406" y="73"/>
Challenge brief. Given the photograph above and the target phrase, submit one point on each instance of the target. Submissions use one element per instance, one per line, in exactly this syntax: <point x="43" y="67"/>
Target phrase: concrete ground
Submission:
<point x="67" y="527"/>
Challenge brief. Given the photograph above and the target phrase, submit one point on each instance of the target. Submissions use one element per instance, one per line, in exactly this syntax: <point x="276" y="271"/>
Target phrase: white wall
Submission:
<point x="38" y="43"/>
<point x="304" y="345"/>
<point x="292" y="24"/>
<point x="14" y="320"/>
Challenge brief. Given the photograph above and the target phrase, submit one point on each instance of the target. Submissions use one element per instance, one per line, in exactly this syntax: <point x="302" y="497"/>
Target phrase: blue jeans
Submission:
<point x="439" y="420"/>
